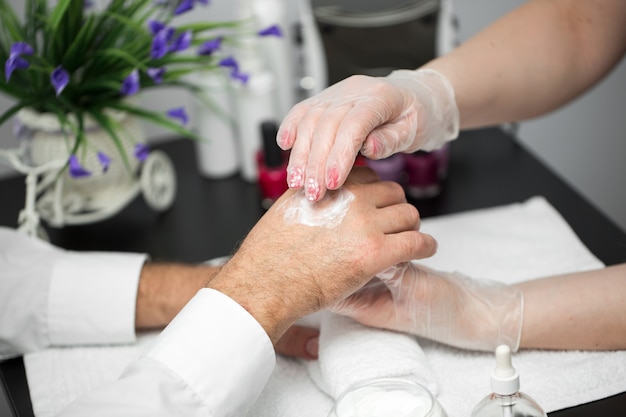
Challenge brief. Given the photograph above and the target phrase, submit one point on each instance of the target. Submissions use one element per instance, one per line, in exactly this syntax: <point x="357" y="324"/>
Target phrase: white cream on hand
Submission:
<point x="328" y="212"/>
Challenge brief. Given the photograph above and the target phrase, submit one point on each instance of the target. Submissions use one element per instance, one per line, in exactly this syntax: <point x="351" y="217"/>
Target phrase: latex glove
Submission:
<point x="378" y="116"/>
<point x="446" y="307"/>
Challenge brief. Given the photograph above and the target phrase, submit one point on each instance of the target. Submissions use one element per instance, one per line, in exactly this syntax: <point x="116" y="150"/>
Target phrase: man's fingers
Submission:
<point x="299" y="342"/>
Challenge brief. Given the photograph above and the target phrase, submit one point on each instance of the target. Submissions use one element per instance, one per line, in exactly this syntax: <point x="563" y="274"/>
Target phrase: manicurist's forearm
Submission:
<point x="534" y="59"/>
<point x="165" y="288"/>
<point x="576" y="311"/>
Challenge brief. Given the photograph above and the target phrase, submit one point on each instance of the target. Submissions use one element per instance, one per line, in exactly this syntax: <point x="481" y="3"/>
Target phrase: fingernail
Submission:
<point x="312" y="189"/>
<point x="283" y="139"/>
<point x="312" y="346"/>
<point x="333" y="178"/>
<point x="295" y="177"/>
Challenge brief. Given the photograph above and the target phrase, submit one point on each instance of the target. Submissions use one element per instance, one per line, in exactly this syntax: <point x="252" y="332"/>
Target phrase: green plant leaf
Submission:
<point x="58" y="13"/>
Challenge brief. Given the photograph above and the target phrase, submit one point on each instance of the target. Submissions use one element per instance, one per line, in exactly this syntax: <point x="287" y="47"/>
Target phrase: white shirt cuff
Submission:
<point x="213" y="335"/>
<point x="93" y="297"/>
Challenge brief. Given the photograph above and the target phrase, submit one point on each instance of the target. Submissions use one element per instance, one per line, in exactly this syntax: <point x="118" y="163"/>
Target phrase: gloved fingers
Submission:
<point x="286" y="135"/>
<point x="302" y="143"/>
<point x="392" y="137"/>
<point x="324" y="140"/>
<point x="364" y="116"/>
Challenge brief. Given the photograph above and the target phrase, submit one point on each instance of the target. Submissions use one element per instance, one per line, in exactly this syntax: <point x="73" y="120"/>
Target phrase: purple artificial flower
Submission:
<point x="21" y="48"/>
<point x="130" y="85"/>
<point x="183" y="6"/>
<point x="181" y="42"/>
<point x="104" y="160"/>
<point x="59" y="79"/>
<point x="156" y="74"/>
<point x="155" y="26"/>
<point x="273" y="30"/>
<point x="12" y="63"/>
<point x="180" y="114"/>
<point x="76" y="170"/>
<point x="141" y="151"/>
<point x="235" y="74"/>
<point x="159" y="44"/>
<point x="229" y="62"/>
<point x="208" y="47"/>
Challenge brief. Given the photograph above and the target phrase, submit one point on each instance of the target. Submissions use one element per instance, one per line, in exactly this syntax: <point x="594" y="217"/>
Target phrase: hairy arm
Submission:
<point x="164" y="288"/>
<point x="535" y="59"/>
<point x="582" y="310"/>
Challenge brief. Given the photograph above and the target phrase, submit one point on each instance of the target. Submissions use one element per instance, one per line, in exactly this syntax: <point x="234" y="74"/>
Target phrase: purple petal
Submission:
<point x="155" y="26"/>
<point x="159" y="44"/>
<point x="130" y="85"/>
<point x="239" y="76"/>
<point x="104" y="160"/>
<point x="59" y="79"/>
<point x="229" y="62"/>
<point x="273" y="30"/>
<point x="203" y="2"/>
<point x="181" y="42"/>
<point x="141" y="151"/>
<point x="211" y="46"/>
<point x="183" y="6"/>
<point x="179" y="113"/>
<point x="76" y="170"/>
<point x="21" y="48"/>
<point x="14" y="62"/>
<point x="156" y="74"/>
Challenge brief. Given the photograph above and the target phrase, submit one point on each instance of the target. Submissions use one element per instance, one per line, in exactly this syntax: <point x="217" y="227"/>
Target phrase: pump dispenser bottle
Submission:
<point x="506" y="400"/>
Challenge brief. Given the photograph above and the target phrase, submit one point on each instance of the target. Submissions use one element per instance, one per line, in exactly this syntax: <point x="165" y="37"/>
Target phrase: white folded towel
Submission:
<point x="350" y="353"/>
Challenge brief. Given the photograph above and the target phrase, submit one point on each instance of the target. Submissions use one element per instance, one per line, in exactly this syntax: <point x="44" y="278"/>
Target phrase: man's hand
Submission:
<point x="303" y="256"/>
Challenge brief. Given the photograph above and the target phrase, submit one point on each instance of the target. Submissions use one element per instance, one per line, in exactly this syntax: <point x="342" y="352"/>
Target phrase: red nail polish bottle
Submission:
<point x="272" y="164"/>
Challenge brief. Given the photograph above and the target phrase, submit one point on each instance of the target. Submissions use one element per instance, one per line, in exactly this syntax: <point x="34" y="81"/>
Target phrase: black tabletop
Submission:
<point x="209" y="217"/>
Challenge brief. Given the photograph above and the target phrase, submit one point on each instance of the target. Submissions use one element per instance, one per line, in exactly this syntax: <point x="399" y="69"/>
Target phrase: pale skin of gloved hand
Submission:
<point x="446" y="307"/>
<point x="405" y="111"/>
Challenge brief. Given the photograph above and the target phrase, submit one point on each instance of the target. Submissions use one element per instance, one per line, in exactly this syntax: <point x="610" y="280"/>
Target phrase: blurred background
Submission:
<point x="583" y="142"/>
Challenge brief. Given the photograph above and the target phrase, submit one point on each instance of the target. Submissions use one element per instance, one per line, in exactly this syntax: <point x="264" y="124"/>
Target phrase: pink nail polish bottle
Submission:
<point x="426" y="172"/>
<point x="272" y="164"/>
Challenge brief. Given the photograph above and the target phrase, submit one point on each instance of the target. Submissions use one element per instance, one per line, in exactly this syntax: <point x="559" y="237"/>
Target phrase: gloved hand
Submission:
<point x="379" y="116"/>
<point x="446" y="307"/>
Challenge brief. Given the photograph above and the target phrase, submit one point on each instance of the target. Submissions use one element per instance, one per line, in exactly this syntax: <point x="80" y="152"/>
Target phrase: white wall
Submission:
<point x="583" y="142"/>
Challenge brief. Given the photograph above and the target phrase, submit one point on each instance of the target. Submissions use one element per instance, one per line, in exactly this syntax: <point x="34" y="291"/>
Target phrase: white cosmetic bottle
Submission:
<point x="255" y="102"/>
<point x="279" y="52"/>
<point x="506" y="400"/>
<point x="215" y="123"/>
<point x="314" y="71"/>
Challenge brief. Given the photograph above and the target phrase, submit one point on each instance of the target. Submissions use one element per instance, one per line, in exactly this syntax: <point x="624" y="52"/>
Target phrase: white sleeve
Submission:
<point x="212" y="360"/>
<point x="49" y="296"/>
